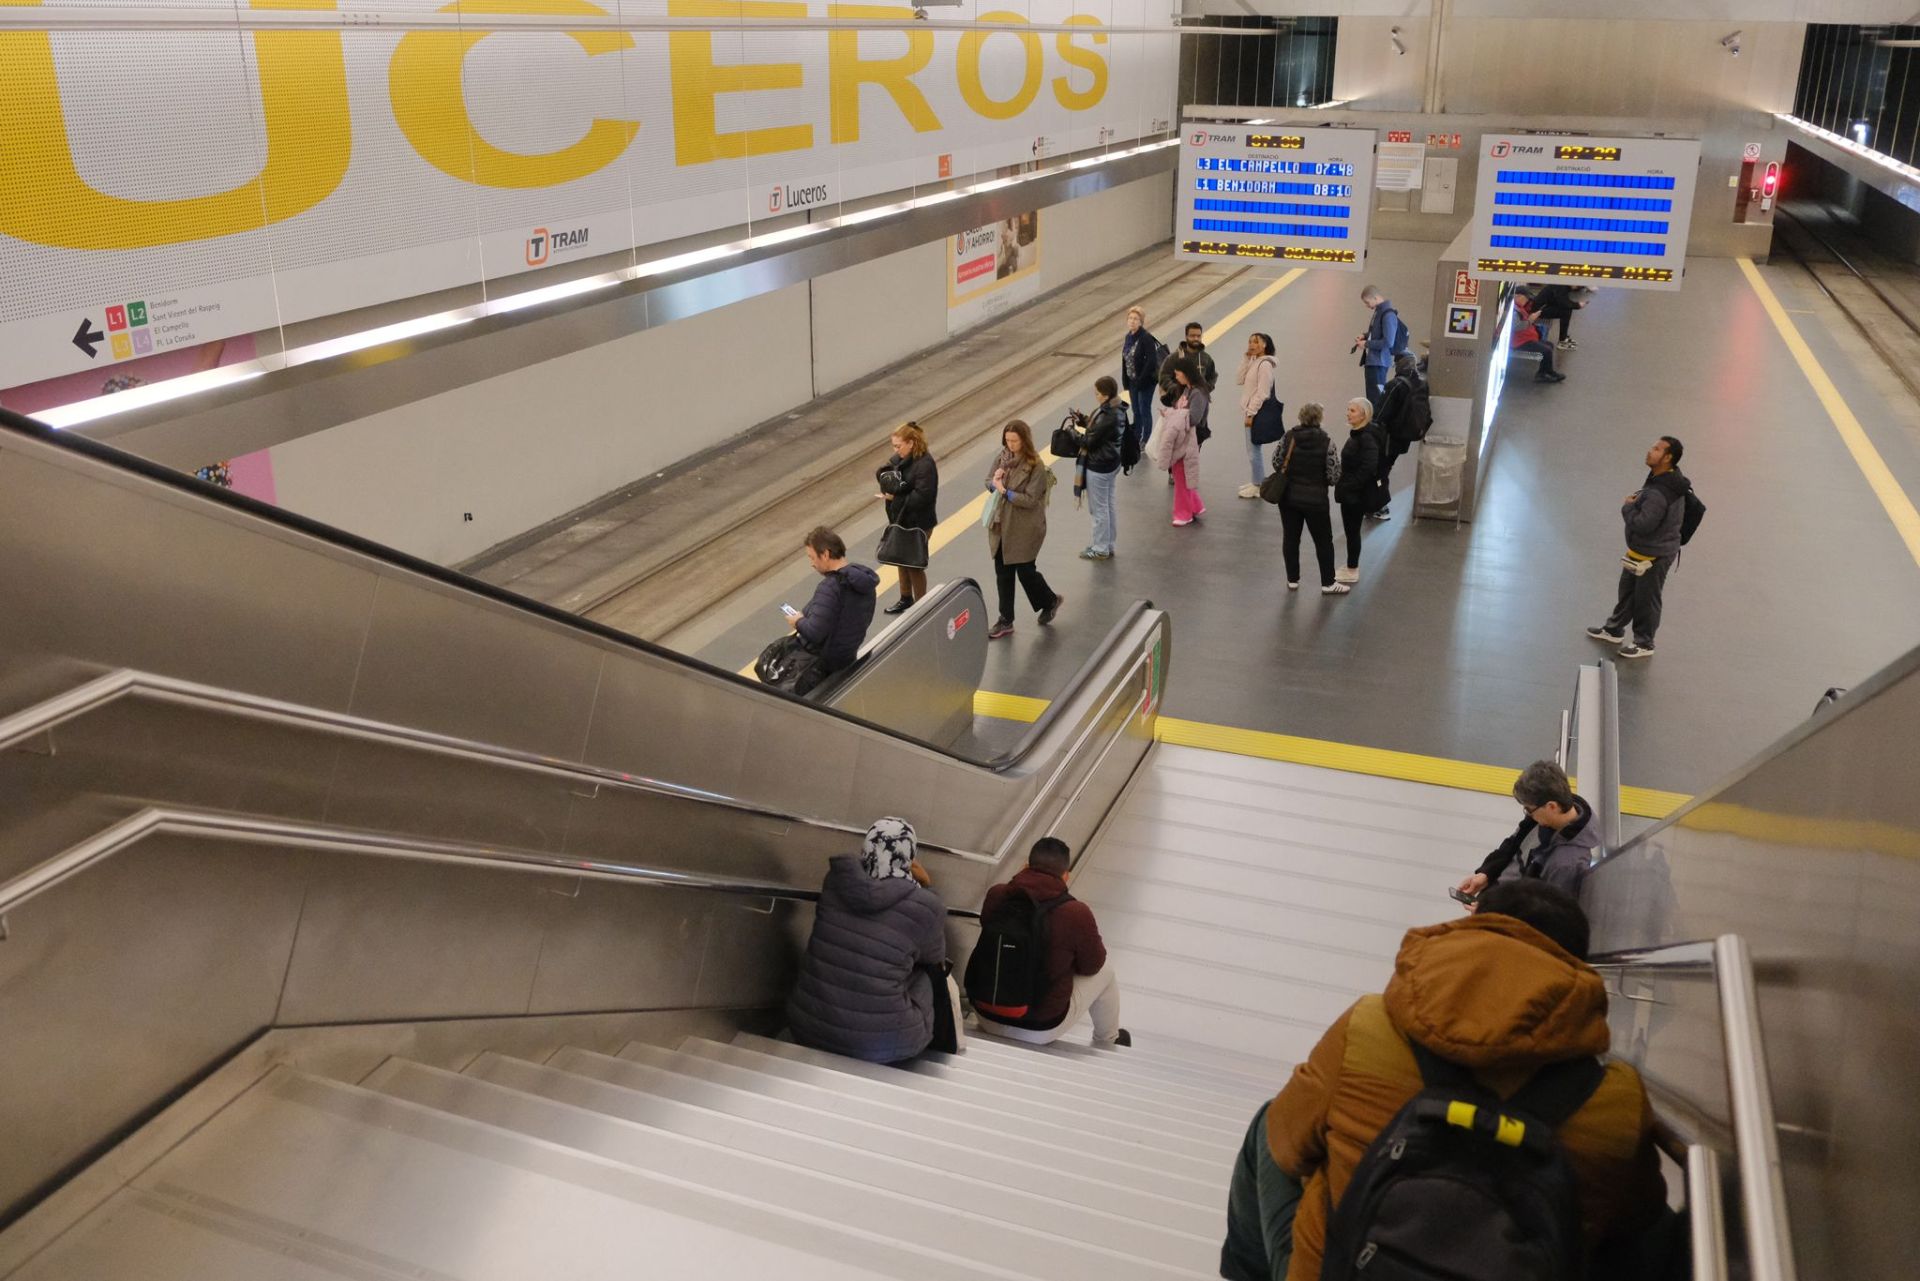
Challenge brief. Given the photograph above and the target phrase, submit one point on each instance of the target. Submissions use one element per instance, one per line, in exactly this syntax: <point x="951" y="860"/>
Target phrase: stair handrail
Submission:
<point x="127" y="682"/>
<point x="1756" y="1137"/>
<point x="254" y="830"/>
<point x="1594" y="721"/>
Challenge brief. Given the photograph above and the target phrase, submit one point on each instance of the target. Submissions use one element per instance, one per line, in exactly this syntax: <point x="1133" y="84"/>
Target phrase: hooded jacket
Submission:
<point x="1496" y="996"/>
<point x="835" y="621"/>
<point x="1562" y="858"/>
<point x="1654" y="513"/>
<point x="860" y="992"/>
<point x="1074" y="946"/>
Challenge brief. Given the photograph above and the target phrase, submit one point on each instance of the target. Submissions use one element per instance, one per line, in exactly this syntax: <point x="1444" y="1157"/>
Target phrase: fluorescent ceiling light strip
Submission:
<point x="1845" y="143"/>
<point x="100" y="407"/>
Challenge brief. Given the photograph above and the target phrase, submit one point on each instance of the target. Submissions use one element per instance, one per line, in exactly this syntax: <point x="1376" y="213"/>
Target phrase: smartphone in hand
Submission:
<point x="790" y="611"/>
<point x="1453" y="892"/>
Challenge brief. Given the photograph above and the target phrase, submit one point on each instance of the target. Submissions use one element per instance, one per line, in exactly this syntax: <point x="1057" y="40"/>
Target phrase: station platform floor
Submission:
<point x="1461" y="642"/>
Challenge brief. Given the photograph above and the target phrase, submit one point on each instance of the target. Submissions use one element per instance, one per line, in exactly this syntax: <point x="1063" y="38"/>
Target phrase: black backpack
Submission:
<point x="1419" y="410"/>
<point x="1690" y="518"/>
<point x="1464" y="1187"/>
<point x="1007" y="972"/>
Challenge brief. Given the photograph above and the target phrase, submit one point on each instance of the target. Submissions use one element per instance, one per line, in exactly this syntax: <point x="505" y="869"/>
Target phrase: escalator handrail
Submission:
<point x="121" y="460"/>
<point x="129" y="682"/>
<point x="1756" y="1137"/>
<point x="1094" y="661"/>
<point x="253" y="830"/>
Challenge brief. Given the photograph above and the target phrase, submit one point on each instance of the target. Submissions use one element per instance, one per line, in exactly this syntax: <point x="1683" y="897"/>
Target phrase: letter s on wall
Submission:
<point x="309" y="143"/>
<point x="430" y="105"/>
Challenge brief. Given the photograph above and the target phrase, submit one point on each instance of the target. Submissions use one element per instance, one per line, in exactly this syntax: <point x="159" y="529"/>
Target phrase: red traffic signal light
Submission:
<point x="1770" y="185"/>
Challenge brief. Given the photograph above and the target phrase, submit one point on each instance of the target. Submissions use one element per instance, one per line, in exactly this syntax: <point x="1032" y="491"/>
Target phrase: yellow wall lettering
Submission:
<point x="1086" y="60"/>
<point x="309" y="142"/>
<point x="971" y="88"/>
<point x="430" y="105"/>
<point x="698" y="81"/>
<point x="847" y="71"/>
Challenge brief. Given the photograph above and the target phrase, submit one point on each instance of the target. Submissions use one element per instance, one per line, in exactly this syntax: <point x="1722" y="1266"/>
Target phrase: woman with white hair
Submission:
<point x="867" y="981"/>
<point x="1358" y="490"/>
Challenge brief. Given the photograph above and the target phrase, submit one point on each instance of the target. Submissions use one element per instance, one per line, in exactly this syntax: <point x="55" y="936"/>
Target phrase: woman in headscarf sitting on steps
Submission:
<point x="867" y="981"/>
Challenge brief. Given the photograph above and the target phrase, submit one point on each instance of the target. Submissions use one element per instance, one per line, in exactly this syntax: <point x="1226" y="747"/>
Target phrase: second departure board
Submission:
<point x="1293" y="195"/>
<point x="1602" y="211"/>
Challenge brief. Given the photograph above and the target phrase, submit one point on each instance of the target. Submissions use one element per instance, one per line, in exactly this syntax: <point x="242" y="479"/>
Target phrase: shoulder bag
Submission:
<point x="1274" y="487"/>
<point x="902" y="547"/>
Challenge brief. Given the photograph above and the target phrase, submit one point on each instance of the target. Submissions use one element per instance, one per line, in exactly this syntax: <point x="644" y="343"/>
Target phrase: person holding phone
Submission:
<point x="835" y="621"/>
<point x="1569" y="838"/>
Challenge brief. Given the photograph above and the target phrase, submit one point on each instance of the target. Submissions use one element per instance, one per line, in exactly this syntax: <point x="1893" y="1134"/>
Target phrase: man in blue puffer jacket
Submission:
<point x="867" y="982"/>
<point x="835" y="621"/>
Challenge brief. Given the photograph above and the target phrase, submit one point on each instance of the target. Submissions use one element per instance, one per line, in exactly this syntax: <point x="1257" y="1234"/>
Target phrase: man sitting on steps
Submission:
<point x="1040" y="966"/>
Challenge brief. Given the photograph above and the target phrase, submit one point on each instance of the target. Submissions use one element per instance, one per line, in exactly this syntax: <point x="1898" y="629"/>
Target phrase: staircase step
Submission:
<point x="1174" y="1202"/>
<point x="1351" y="968"/>
<point x="1141" y="1061"/>
<point x="1206" y="1177"/>
<point x="1243" y="1031"/>
<point x="1313" y="919"/>
<point x="806" y="1191"/>
<point x="1034" y="1079"/>
<point x="1169" y="1137"/>
<point x="1048" y="1061"/>
<point x="1352" y="891"/>
<point x="415" y="1188"/>
<point x="1306" y="1000"/>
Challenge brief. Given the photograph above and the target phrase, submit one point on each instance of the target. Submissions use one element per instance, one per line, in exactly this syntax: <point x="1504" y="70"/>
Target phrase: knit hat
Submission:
<point x="889" y="849"/>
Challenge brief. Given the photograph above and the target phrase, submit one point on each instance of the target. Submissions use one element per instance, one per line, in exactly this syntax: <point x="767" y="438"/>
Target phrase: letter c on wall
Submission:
<point x="304" y="112"/>
<point x="430" y="105"/>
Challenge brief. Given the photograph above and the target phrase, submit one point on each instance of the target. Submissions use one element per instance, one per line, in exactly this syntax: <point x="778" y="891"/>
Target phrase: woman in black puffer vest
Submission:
<point x="1307" y="461"/>
<point x="912" y="504"/>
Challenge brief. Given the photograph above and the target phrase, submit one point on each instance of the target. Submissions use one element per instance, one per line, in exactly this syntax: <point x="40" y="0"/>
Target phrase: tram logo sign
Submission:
<point x="1199" y="138"/>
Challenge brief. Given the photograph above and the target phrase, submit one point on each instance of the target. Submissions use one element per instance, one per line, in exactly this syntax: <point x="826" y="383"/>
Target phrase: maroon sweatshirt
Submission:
<point x="1073" y="941"/>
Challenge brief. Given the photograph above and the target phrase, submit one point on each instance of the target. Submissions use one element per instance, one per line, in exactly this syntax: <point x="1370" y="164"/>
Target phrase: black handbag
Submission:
<point x="891" y="480"/>
<point x="1274" y="487"/>
<point x="783" y="662"/>
<point x="903" y="547"/>
<point x="1269" y="421"/>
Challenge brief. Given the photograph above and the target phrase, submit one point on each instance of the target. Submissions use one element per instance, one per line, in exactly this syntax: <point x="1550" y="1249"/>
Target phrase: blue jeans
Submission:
<point x="1100" y="506"/>
<point x="1140" y="396"/>
<point x="1376" y="384"/>
<point x="1253" y="457"/>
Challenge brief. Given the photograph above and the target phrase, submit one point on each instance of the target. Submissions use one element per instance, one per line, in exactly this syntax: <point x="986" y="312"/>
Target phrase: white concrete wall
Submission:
<point x="522" y="449"/>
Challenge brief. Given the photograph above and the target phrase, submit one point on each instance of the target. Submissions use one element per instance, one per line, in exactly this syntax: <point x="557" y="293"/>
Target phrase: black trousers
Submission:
<point x="1039" y="595"/>
<point x="1319" y="522"/>
<point x="1352" y="516"/>
<point x="1562" y="314"/>
<point x="1639" y="602"/>
<point x="1545" y="349"/>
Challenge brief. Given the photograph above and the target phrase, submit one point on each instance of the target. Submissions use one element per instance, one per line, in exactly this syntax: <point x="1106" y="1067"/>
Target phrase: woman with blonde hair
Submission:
<point x="1358" y="493"/>
<point x="909" y="484"/>
<point x="1141" y="355"/>
<point x="1018" y="485"/>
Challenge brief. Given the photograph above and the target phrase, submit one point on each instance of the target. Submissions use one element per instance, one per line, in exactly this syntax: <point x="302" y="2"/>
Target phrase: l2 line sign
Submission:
<point x="277" y="175"/>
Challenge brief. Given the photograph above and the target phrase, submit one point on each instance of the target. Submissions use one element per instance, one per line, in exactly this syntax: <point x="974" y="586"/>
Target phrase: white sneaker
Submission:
<point x="1249" y="491"/>
<point x="1335" y="588"/>
<point x="1293" y="587"/>
<point x="1345" y="575"/>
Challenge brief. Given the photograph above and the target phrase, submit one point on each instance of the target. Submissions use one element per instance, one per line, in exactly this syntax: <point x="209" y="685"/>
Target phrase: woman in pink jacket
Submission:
<point x="1176" y="445"/>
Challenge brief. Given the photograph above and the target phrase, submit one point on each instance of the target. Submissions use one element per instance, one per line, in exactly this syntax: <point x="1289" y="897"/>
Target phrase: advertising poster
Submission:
<point x="991" y="270"/>
<point x="266" y="175"/>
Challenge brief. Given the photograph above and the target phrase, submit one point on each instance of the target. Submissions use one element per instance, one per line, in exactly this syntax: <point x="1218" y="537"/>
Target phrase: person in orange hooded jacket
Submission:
<point x="1503" y="992"/>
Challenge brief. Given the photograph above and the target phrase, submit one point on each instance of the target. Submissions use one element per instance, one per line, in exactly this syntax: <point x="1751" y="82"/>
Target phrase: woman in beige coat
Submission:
<point x="1019" y="484"/>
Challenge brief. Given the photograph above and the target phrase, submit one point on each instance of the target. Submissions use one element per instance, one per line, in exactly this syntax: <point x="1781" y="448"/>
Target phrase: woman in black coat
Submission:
<point x="911" y="505"/>
<point x="1309" y="463"/>
<point x="1362" y="456"/>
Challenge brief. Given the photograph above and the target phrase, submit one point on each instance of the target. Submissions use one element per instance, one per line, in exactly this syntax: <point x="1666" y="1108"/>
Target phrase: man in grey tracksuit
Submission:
<point x="1568" y="836"/>
<point x="1653" y="514"/>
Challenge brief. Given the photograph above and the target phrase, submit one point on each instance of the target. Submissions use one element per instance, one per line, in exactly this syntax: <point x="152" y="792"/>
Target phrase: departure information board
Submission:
<point x="1277" y="193"/>
<point x="1603" y="211"/>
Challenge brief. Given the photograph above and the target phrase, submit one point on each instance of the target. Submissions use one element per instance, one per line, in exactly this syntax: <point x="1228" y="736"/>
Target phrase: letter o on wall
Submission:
<point x="973" y="43"/>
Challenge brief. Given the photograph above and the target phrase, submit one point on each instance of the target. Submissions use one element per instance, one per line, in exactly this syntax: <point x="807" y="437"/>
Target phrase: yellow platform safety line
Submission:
<point x="1899" y="507"/>
<point x="1410" y="767"/>
<point x="953" y="526"/>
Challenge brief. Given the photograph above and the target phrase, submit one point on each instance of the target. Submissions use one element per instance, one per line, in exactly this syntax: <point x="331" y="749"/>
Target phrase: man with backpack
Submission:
<point x="1386" y="337"/>
<point x="1141" y="356"/>
<point x="1660" y="517"/>
<point x="1459" y="1125"/>
<point x="1040" y="966"/>
<point x="1406" y="415"/>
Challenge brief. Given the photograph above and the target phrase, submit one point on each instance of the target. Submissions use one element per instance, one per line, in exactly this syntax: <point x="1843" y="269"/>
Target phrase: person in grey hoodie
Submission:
<point x="1653" y="514"/>
<point x="867" y="982"/>
<point x="1568" y="840"/>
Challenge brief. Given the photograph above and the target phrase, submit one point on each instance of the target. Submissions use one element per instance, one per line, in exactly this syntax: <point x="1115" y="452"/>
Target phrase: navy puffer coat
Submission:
<point x="860" y="991"/>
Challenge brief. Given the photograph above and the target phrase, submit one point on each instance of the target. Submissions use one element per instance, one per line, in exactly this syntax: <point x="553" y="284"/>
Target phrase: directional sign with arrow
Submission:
<point x="87" y="338"/>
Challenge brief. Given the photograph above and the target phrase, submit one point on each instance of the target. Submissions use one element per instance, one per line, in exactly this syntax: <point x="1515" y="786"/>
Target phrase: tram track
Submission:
<point x="679" y="579"/>
<point x="1901" y="358"/>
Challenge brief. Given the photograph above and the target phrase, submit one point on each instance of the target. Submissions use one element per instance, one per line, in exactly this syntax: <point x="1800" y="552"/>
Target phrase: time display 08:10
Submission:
<point x="1281" y="141"/>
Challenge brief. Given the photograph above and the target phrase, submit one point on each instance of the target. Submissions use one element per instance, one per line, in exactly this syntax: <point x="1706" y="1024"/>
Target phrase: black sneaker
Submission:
<point x="1047" y="615"/>
<point x="1606" y="637"/>
<point x="1544" y="377"/>
<point x="1124" y="1039"/>
<point x="1631" y="650"/>
<point x="900" y="606"/>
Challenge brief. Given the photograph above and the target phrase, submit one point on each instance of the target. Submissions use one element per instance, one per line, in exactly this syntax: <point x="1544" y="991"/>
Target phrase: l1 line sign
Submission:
<point x="261" y="177"/>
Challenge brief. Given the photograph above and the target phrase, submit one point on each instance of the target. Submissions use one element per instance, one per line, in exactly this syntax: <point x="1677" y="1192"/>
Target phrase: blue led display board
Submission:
<point x="1603" y="211"/>
<point x="1275" y="193"/>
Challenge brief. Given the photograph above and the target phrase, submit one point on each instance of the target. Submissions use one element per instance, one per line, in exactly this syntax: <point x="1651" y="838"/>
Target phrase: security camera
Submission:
<point x="1399" y="45"/>
<point x="1731" y="43"/>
